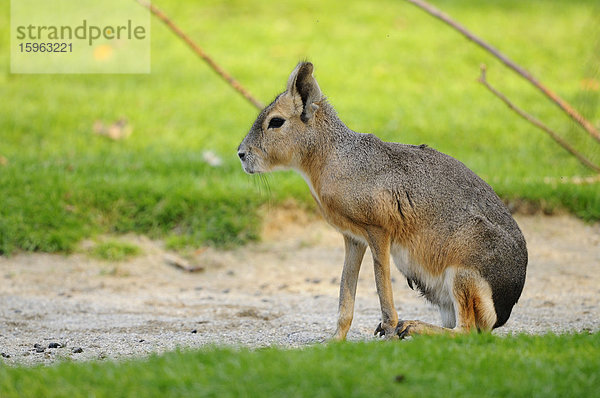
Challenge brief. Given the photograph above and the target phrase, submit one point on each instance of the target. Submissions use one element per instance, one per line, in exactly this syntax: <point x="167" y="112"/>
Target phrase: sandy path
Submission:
<point x="282" y="291"/>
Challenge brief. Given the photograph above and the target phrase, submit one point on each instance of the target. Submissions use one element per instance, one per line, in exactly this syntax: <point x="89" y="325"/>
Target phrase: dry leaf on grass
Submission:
<point x="212" y="158"/>
<point x="118" y="130"/>
<point x="181" y="263"/>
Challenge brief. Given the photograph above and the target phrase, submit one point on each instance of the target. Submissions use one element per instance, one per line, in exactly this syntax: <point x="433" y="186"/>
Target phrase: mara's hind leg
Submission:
<point x="473" y="306"/>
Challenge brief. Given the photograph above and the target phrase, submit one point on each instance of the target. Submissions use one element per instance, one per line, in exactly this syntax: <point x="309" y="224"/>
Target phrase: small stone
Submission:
<point x="4" y="355"/>
<point x="399" y="378"/>
<point x="36" y="345"/>
<point x="194" y="331"/>
<point x="77" y="350"/>
<point x="226" y="291"/>
<point x="40" y="349"/>
<point x="141" y="341"/>
<point x="54" y="345"/>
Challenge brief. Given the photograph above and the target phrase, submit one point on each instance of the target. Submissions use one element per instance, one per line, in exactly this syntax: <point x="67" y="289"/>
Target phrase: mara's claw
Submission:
<point x="379" y="330"/>
<point x="403" y="329"/>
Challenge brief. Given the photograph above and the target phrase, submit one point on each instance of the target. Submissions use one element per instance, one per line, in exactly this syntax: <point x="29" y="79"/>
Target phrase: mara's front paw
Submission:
<point x="388" y="332"/>
<point x="338" y="336"/>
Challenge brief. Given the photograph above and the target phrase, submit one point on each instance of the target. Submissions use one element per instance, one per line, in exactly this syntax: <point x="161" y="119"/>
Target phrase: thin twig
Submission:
<point x="537" y="123"/>
<point x="565" y="106"/>
<point x="202" y="54"/>
<point x="574" y="180"/>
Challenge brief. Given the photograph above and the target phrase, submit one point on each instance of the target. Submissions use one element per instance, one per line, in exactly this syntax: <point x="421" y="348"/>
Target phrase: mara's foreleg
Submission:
<point x="355" y="252"/>
<point x="380" y="242"/>
<point x="472" y="303"/>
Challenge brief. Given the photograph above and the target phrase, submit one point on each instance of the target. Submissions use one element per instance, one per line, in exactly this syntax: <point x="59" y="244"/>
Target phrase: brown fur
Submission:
<point x="447" y="230"/>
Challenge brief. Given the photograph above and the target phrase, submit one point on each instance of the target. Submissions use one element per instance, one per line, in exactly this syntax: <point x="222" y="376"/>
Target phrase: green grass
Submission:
<point x="467" y="366"/>
<point x="114" y="250"/>
<point x="387" y="67"/>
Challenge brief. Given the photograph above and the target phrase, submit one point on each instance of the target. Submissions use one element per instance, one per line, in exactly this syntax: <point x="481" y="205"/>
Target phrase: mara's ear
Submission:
<point x="303" y="85"/>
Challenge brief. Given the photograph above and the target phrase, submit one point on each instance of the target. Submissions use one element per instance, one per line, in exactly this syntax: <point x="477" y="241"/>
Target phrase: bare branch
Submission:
<point x="202" y="54"/>
<point x="565" y="106"/>
<point x="585" y="161"/>
<point x="575" y="180"/>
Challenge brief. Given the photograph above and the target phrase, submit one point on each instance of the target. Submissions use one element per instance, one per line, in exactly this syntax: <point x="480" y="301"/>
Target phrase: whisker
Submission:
<point x="268" y="184"/>
<point x="255" y="182"/>
<point x="264" y="179"/>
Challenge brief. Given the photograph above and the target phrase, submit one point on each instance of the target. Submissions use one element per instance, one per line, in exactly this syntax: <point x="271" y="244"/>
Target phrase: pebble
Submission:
<point x="4" y="355"/>
<point x="315" y="281"/>
<point x="195" y="331"/>
<point x="77" y="350"/>
<point x="54" y="345"/>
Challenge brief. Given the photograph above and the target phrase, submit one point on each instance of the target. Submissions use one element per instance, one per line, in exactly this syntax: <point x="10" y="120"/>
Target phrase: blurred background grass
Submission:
<point x="386" y="66"/>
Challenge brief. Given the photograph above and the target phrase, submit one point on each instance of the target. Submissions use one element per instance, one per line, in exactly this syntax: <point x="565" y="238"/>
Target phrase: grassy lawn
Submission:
<point x="386" y="66"/>
<point x="467" y="366"/>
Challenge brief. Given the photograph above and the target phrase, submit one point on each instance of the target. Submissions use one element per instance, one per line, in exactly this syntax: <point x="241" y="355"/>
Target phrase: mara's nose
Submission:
<point x="242" y="155"/>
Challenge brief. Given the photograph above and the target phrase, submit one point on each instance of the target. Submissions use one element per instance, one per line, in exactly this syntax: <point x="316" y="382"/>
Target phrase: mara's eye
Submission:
<point x="276" y="122"/>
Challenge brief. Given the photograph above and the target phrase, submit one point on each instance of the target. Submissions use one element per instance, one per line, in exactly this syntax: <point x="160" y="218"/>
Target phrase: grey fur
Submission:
<point x="410" y="193"/>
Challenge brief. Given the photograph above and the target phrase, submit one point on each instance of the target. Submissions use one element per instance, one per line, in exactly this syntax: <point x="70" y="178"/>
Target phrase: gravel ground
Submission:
<point x="280" y="292"/>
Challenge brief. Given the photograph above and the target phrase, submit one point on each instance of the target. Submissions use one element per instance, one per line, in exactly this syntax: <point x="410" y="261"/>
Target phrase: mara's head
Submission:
<point x="284" y="128"/>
